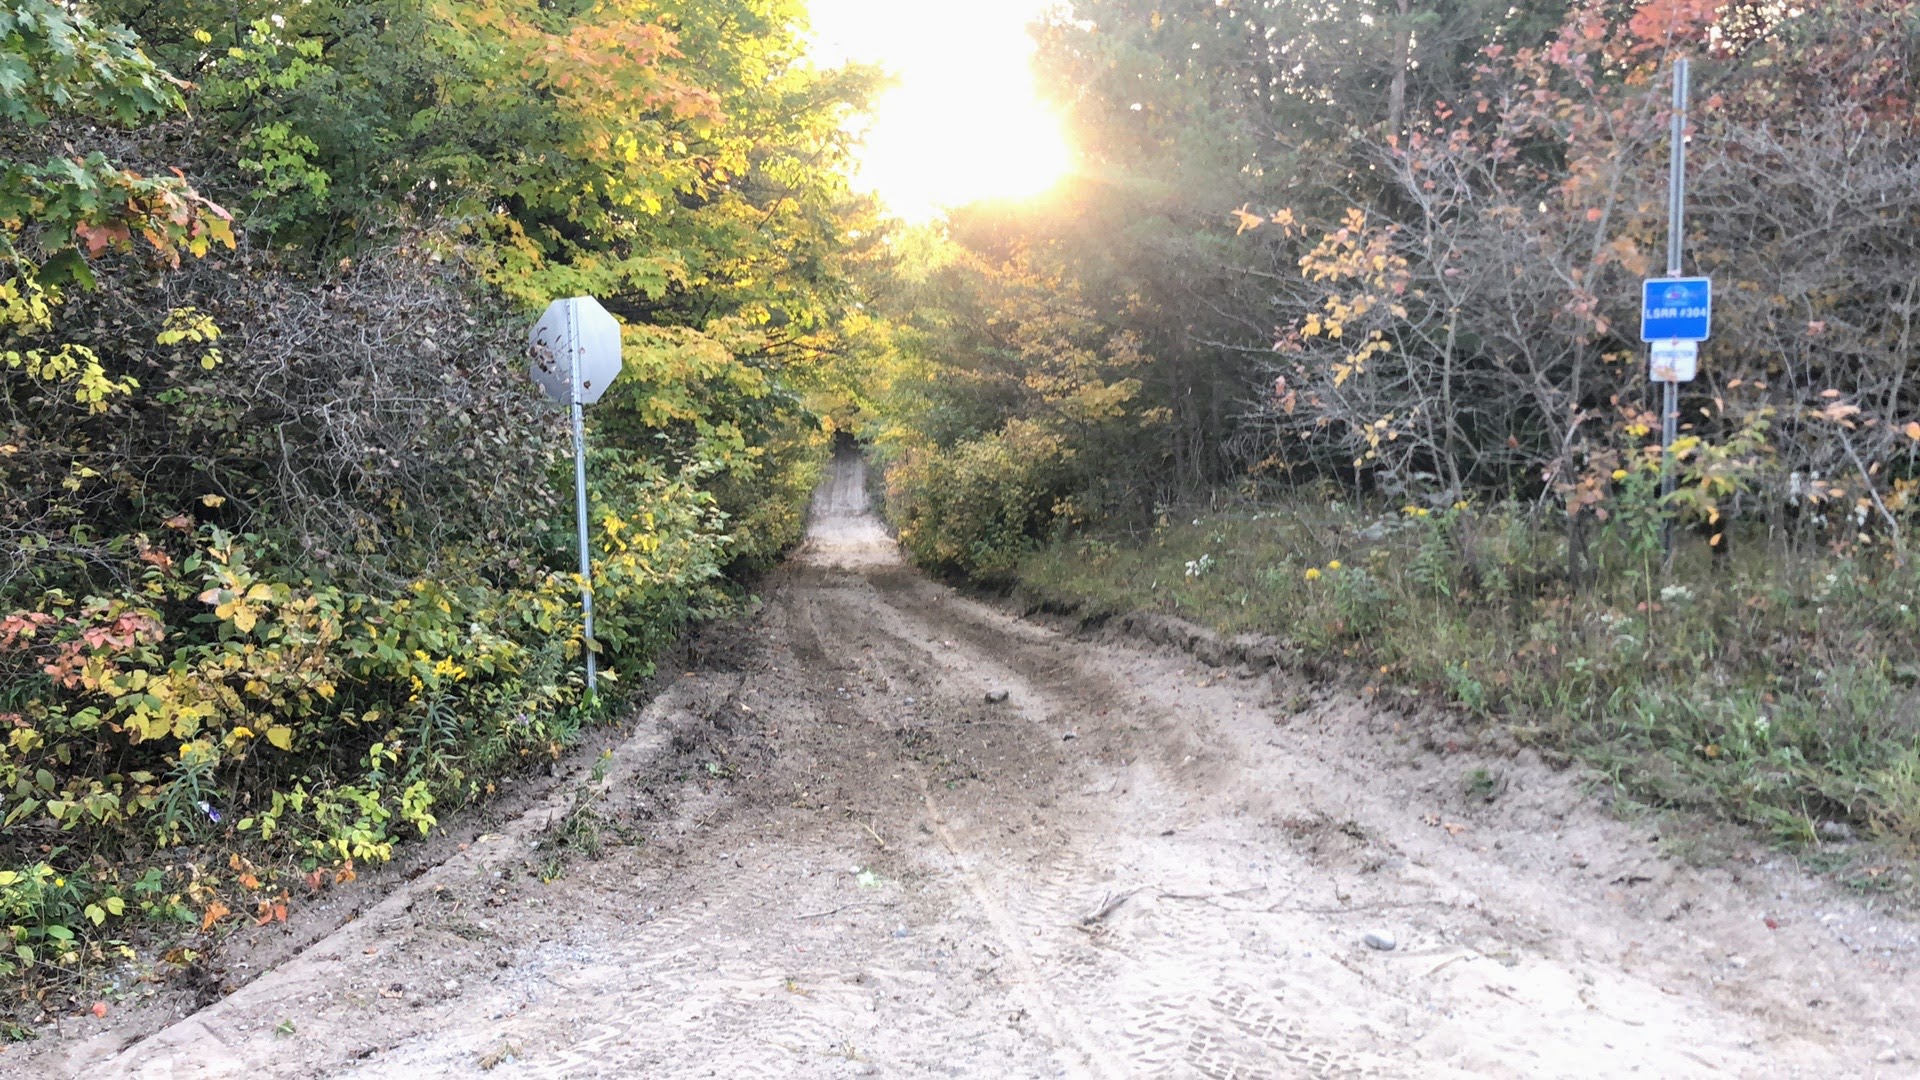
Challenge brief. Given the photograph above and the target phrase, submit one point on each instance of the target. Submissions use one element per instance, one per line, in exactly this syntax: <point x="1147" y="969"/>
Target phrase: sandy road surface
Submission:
<point x="848" y="862"/>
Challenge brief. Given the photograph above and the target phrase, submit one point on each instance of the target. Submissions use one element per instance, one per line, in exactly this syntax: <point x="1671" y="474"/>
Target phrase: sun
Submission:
<point x="964" y="121"/>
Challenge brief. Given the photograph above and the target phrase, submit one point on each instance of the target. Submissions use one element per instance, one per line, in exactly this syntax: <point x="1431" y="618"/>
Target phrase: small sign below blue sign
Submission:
<point x="1676" y="309"/>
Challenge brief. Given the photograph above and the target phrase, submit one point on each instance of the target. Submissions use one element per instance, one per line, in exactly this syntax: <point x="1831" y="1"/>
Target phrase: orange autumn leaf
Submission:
<point x="215" y="912"/>
<point x="1668" y="21"/>
<point x="270" y="911"/>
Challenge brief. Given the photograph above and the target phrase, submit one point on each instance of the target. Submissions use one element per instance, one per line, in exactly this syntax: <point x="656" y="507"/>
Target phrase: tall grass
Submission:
<point x="1774" y="685"/>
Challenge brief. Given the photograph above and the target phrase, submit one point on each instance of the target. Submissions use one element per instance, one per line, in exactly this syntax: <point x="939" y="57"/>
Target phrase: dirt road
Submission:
<point x="843" y="859"/>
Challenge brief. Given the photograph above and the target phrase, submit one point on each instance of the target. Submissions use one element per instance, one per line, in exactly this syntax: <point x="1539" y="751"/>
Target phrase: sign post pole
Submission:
<point x="575" y="348"/>
<point x="1676" y="234"/>
<point x="580" y="505"/>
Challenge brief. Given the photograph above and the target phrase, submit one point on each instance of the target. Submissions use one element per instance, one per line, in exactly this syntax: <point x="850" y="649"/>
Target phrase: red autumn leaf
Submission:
<point x="98" y="237"/>
<point x="99" y="1008"/>
<point x="1667" y="21"/>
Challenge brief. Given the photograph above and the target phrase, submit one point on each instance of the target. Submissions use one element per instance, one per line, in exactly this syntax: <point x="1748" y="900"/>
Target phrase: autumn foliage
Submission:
<point x="287" y="567"/>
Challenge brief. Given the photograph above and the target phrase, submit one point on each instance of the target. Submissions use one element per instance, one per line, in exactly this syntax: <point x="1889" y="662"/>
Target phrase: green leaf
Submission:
<point x="27" y="806"/>
<point x="67" y="267"/>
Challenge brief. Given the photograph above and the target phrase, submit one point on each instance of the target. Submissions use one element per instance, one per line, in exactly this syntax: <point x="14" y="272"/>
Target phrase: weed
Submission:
<point x="584" y="830"/>
<point x="1483" y="785"/>
<point x="1464" y="688"/>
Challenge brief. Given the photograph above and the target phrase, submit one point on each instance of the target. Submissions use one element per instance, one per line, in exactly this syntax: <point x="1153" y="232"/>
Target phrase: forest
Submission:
<point x="1332" y="335"/>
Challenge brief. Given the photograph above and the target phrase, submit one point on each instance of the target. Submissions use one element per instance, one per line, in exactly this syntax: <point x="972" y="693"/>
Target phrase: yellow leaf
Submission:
<point x="280" y="736"/>
<point x="212" y="500"/>
<point x="1912" y="431"/>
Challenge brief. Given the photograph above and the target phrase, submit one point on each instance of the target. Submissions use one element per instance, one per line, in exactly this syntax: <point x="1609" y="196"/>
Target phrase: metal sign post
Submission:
<point x="580" y="522"/>
<point x="1676" y="313"/>
<point x="576" y="354"/>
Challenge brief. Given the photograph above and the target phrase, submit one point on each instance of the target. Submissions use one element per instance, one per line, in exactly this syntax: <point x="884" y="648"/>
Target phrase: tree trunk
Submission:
<point x="1402" y="55"/>
<point x="1579" y="564"/>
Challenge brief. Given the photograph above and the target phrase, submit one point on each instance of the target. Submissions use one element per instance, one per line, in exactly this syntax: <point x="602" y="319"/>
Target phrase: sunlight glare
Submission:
<point x="964" y="121"/>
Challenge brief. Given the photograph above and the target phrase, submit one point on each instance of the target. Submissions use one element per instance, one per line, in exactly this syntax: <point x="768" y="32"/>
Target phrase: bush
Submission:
<point x="323" y="633"/>
<point x="975" y="509"/>
<point x="222" y="700"/>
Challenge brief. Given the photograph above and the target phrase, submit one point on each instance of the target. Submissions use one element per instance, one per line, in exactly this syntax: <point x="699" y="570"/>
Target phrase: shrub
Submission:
<point x="975" y="509"/>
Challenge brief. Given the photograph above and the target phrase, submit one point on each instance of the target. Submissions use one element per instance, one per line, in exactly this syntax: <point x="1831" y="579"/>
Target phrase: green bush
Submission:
<point x="222" y="700"/>
<point x="974" y="509"/>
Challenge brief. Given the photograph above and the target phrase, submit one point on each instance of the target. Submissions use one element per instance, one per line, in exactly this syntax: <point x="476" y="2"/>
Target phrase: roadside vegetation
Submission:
<point x="1335" y="339"/>
<point x="286" y="534"/>
<point x="1776" y="689"/>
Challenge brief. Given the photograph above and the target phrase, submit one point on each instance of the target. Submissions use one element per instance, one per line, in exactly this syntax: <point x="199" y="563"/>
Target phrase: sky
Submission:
<point x="963" y="121"/>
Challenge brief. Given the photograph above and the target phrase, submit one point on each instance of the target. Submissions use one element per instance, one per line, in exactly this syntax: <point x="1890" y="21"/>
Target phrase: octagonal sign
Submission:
<point x="576" y="350"/>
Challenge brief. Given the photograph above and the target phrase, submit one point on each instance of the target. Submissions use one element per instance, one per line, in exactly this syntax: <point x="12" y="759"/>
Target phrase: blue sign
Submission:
<point x="1676" y="309"/>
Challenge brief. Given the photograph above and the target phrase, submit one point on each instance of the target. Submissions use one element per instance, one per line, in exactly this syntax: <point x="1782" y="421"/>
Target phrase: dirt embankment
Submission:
<point x="902" y="833"/>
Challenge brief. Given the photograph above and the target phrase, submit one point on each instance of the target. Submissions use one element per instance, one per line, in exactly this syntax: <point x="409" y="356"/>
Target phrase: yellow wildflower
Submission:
<point x="1313" y="575"/>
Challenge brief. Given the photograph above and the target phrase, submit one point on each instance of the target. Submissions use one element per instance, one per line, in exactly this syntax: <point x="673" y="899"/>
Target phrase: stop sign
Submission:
<point x="575" y="342"/>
